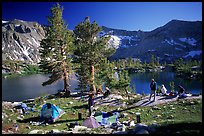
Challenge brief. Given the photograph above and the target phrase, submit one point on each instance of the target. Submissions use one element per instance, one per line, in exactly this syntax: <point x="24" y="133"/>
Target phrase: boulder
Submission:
<point x="132" y="123"/>
<point x="28" y="127"/>
<point x="156" y="108"/>
<point x="109" y="130"/>
<point x="119" y="132"/>
<point x="142" y="131"/>
<point x="157" y="116"/>
<point x="140" y="126"/>
<point x="170" y="117"/>
<point x="35" y="131"/>
<point x="54" y="131"/>
<point x="115" y="96"/>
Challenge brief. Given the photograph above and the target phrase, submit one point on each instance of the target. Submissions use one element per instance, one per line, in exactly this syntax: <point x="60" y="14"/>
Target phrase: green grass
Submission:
<point x="184" y="112"/>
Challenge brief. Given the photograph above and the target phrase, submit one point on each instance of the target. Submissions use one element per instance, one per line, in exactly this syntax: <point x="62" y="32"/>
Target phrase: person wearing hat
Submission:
<point x="153" y="87"/>
<point x="163" y="89"/>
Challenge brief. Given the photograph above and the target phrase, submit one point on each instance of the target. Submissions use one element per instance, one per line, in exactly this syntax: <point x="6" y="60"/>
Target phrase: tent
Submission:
<point x="107" y="117"/>
<point x="91" y="122"/>
<point x="50" y="112"/>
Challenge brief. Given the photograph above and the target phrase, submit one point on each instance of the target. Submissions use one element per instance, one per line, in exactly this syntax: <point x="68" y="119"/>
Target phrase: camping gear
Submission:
<point x="23" y="107"/>
<point x="50" y="112"/>
<point x="107" y="118"/>
<point x="72" y="125"/>
<point x="183" y="95"/>
<point x="91" y="122"/>
<point x="138" y="117"/>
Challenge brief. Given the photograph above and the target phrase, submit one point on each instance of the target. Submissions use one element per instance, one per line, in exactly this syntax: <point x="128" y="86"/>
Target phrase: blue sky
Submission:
<point x="145" y="16"/>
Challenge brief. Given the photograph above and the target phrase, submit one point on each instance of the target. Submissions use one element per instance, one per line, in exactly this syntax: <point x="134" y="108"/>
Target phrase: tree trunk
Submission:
<point x="66" y="86"/>
<point x="127" y="94"/>
<point x="92" y="79"/>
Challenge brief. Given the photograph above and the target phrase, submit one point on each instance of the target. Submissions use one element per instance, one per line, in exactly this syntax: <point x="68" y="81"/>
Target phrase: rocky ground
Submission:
<point x="113" y="100"/>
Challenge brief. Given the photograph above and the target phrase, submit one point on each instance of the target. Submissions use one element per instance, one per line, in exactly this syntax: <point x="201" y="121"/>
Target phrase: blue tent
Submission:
<point x="50" y="112"/>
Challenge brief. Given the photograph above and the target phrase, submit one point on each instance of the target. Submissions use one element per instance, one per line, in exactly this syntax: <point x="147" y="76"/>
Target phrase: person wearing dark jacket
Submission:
<point x="153" y="87"/>
<point x="90" y="103"/>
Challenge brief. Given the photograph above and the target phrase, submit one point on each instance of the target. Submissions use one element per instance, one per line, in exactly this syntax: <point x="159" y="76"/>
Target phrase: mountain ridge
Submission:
<point x="175" y="39"/>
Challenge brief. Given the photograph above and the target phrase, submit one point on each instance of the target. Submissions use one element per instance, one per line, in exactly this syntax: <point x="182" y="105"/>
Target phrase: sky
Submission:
<point x="132" y="16"/>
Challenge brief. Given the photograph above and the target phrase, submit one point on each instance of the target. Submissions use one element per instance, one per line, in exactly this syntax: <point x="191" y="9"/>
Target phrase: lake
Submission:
<point x="26" y="87"/>
<point x="141" y="81"/>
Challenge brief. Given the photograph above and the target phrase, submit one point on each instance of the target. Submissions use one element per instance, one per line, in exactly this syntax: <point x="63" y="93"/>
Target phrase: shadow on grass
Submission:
<point x="84" y="106"/>
<point x="182" y="128"/>
<point x="68" y="120"/>
<point x="168" y="97"/>
<point x="34" y="119"/>
<point x="37" y="119"/>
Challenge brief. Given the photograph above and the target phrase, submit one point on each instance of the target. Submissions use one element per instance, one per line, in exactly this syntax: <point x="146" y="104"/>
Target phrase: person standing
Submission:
<point x="90" y="103"/>
<point x="153" y="87"/>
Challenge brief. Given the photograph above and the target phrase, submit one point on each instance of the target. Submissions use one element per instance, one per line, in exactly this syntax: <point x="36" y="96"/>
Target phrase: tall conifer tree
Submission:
<point x="56" y="48"/>
<point x="90" y="51"/>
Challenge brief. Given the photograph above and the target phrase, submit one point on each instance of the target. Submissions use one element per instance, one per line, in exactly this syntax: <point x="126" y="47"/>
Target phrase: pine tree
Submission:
<point x="124" y="82"/>
<point x="90" y="51"/>
<point x="56" y="48"/>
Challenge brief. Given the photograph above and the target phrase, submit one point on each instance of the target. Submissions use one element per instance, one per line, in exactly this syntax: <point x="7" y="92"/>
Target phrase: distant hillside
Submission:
<point x="176" y="39"/>
<point x="21" y="41"/>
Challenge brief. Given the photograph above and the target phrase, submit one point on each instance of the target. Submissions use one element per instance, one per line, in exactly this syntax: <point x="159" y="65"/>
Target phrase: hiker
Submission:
<point x="153" y="87"/>
<point x="90" y="103"/>
<point x="99" y="91"/>
<point x="163" y="89"/>
<point x="181" y="92"/>
<point x="107" y="92"/>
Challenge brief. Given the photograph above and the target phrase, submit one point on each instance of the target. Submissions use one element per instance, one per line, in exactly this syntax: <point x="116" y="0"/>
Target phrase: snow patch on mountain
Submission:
<point x="193" y="53"/>
<point x="3" y="22"/>
<point x="114" y="41"/>
<point x="190" y="41"/>
<point x="170" y="42"/>
<point x="151" y="50"/>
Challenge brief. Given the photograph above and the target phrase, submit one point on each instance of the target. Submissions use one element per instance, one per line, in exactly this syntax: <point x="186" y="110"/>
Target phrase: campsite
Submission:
<point x="163" y="116"/>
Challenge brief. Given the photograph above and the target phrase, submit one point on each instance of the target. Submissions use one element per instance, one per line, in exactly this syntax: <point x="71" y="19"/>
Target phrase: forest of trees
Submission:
<point x="85" y="54"/>
<point x="81" y="51"/>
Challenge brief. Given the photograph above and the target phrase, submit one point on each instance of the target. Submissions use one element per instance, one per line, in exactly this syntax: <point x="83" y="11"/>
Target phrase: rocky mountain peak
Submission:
<point x="21" y="40"/>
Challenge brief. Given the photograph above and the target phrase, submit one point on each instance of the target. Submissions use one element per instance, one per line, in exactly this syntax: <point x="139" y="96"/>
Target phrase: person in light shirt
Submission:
<point x="163" y="90"/>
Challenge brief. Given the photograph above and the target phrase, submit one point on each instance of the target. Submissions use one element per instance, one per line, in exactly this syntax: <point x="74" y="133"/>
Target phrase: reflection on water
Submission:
<point x="21" y="88"/>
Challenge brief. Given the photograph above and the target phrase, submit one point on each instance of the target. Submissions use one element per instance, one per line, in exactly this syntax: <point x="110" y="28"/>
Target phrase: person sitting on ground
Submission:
<point x="163" y="90"/>
<point x="99" y="91"/>
<point x="107" y="92"/>
<point x="181" y="92"/>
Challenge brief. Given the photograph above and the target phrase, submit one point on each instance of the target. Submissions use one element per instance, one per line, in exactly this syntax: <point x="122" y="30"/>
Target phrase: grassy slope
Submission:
<point x="184" y="112"/>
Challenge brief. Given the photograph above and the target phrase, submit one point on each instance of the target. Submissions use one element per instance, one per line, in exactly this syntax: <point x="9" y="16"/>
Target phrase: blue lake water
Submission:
<point x="21" y="88"/>
<point x="141" y="81"/>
